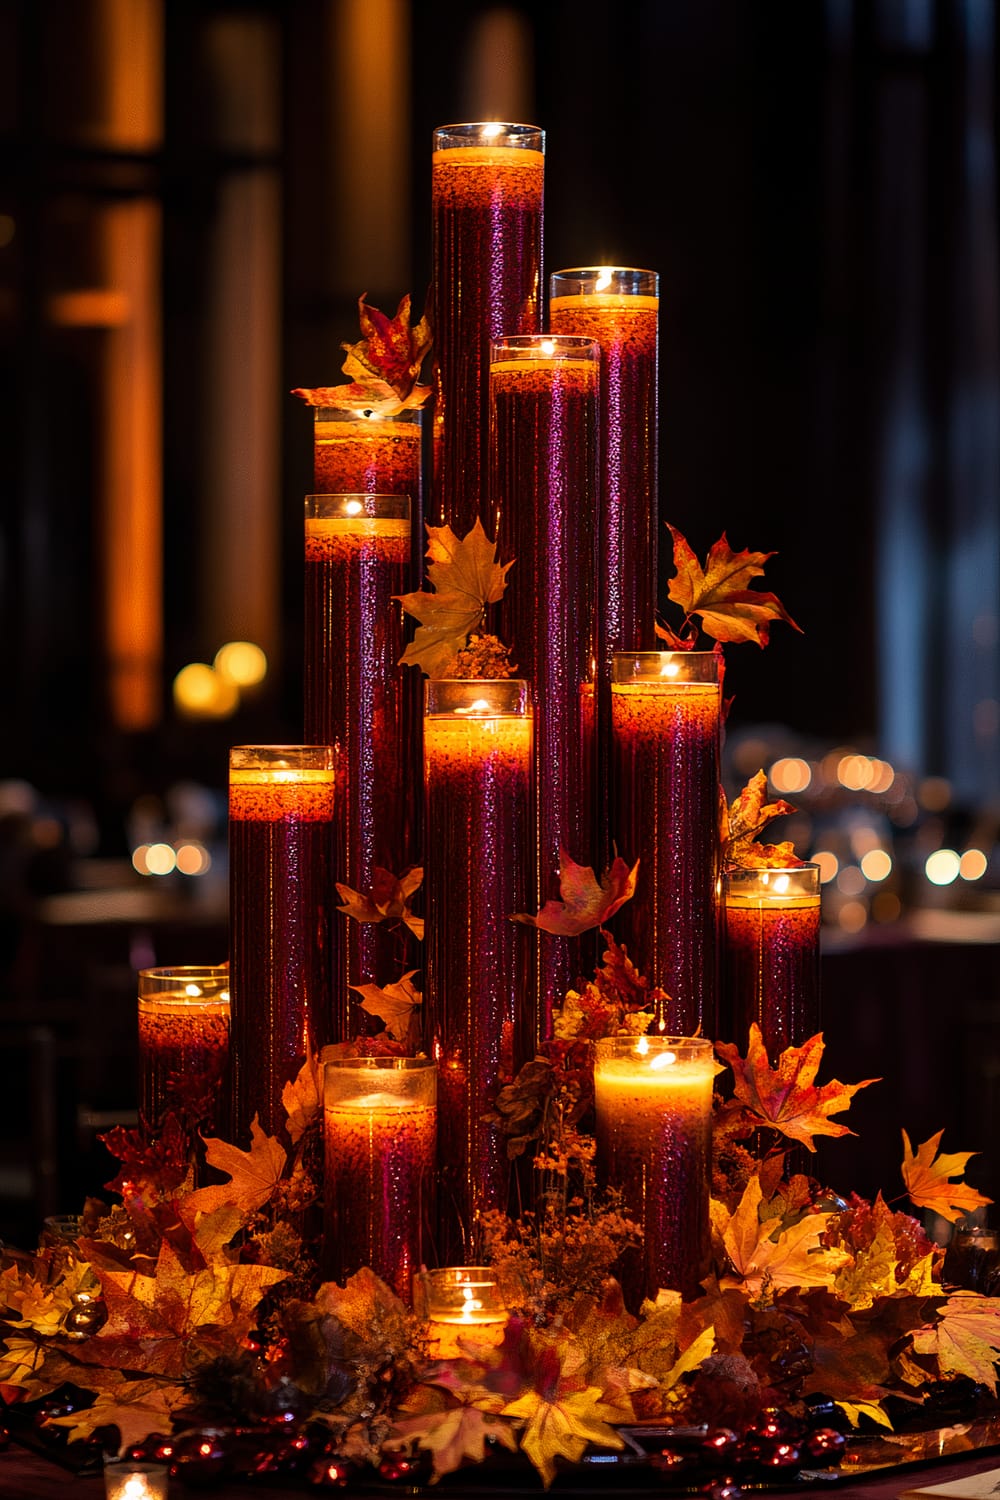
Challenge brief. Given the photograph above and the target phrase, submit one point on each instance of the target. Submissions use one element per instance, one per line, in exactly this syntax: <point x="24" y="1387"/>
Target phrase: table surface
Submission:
<point x="27" y="1476"/>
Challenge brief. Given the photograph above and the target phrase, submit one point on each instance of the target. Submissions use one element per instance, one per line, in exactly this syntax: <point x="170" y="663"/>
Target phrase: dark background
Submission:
<point x="814" y="183"/>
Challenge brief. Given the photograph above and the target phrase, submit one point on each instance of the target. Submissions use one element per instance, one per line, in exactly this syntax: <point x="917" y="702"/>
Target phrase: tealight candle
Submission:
<point x="133" y="1481"/>
<point x="460" y="1303"/>
<point x="654" y="1142"/>
<point x="380" y="1141"/>
<point x="771" y="954"/>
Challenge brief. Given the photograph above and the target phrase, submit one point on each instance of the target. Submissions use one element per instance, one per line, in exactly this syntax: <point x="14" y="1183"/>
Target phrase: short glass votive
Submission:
<point x="124" y="1480"/>
<point x="468" y="1296"/>
<point x="771" y="955"/>
<point x="653" y="1099"/>
<point x="183" y="1041"/>
<point x="380" y="1148"/>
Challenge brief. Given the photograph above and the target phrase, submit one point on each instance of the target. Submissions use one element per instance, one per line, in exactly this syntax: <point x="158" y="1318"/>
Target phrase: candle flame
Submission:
<point x="470" y="1304"/>
<point x="492" y="130"/>
<point x="642" y="1046"/>
<point x="781" y="884"/>
<point x="548" y="346"/>
<point x="603" y="279"/>
<point x="193" y="990"/>
<point x="353" y="508"/>
<point x="663" y="1060"/>
<point x="669" y="669"/>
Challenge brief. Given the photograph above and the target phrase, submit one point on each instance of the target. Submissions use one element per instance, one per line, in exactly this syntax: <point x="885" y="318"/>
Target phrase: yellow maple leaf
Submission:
<point x="794" y="1257"/>
<point x="394" y="1004"/>
<point x="466" y="577"/>
<point x="966" y="1338"/>
<point x="253" y="1174"/>
<point x="562" y="1427"/>
<point x="135" y="1407"/>
<point x="926" y="1176"/>
<point x="871" y="1409"/>
<point x="456" y="1436"/>
<point x="302" y="1098"/>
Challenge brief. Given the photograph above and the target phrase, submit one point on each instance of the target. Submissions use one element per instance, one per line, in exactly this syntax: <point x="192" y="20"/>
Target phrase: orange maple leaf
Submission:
<point x="743" y="821"/>
<point x="388" y="899"/>
<point x="720" y="594"/>
<point x="786" y="1097"/>
<point x="585" y="903"/>
<point x="466" y="578"/>
<point x="253" y="1174"/>
<point x="926" y="1176"/>
<point x="966" y="1339"/>
<point x="795" y="1257"/>
<point x="394" y="1004"/>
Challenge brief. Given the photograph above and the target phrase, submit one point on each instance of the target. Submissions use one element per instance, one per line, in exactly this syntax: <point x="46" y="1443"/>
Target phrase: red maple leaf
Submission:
<point x="720" y="594"/>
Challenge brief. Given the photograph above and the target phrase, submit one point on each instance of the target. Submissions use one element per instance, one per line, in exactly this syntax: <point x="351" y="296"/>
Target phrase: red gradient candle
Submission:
<point x="281" y="896"/>
<point x="478" y="1010"/>
<point x="358" y="698"/>
<point x="486" y="202"/>
<point x="771" y="962"/>
<point x="183" y="1042"/>
<point x="654" y="1141"/>
<point x="380" y="1143"/>
<point x="543" y="404"/>
<point x="665" y="708"/>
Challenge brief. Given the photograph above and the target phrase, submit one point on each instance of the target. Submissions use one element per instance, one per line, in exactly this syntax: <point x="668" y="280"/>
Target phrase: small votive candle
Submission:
<point x="460" y="1304"/>
<point x="183" y="1040"/>
<point x="771" y="954"/>
<point x="654" y="1141"/>
<point x="380" y="1145"/>
<point x="135" y="1481"/>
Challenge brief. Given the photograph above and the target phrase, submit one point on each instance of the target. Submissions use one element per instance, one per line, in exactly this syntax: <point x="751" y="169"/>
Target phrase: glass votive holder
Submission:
<point x="125" y="1480"/>
<point x="183" y="1041"/>
<point x="380" y="1158"/>
<point x="460" y="1304"/>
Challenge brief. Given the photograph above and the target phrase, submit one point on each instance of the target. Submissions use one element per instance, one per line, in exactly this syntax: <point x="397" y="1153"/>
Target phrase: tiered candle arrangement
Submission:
<point x="523" y="1214"/>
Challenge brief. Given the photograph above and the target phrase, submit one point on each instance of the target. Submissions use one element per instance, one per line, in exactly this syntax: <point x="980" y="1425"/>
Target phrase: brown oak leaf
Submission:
<point x="394" y="1004"/>
<point x="466" y="578"/>
<point x="745" y="819"/>
<point x="585" y="903"/>
<point x="302" y="1096"/>
<point x="927" y="1179"/>
<point x="720" y="595"/>
<point x="388" y="899"/>
<point x="787" y="1097"/>
<point x="562" y="1417"/>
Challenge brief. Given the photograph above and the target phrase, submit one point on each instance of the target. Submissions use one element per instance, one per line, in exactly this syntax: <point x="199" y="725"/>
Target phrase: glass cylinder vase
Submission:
<point x="478" y="1011"/>
<point x="653" y="1098"/>
<point x="282" y="801"/>
<point x="666" y="716"/>
<point x="183" y="1043"/>
<point x="380" y="1144"/>
<point x="543" y="413"/>
<point x="364" y="451"/>
<point x="358" y="698"/>
<point x="486" y="203"/>
<point x="771" y="955"/>
<point x="618" y="307"/>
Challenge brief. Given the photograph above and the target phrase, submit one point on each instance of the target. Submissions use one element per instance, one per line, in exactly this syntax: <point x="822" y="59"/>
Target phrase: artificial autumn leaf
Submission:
<point x="135" y="1407"/>
<point x="466" y="578"/>
<point x="253" y="1175"/>
<point x="302" y="1096"/>
<point x="153" y="1166"/>
<point x="456" y="1436"/>
<point x="966" y="1338"/>
<point x="394" y="1004"/>
<point x="720" y="594"/>
<point x="745" y="819"/>
<point x="382" y="367"/>
<point x="873" y="1410"/>
<point x="562" y="1426"/>
<point x="42" y="1306"/>
<point x="787" y="1097"/>
<point x="794" y="1258"/>
<point x="927" y="1179"/>
<point x="387" y="900"/>
<point x="585" y="903"/>
<point x="882" y="1260"/>
<point x="28" y="1369"/>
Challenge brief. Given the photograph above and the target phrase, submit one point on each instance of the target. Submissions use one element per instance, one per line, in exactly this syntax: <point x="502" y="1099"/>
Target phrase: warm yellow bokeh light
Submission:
<point x="876" y="865"/>
<point x="828" y="863"/>
<point x="934" y="793"/>
<point x="883" y="776"/>
<point x="160" y="859"/>
<point x="193" y="858"/>
<point x="942" y="867"/>
<point x="202" y="693"/>
<point x="790" y="774"/>
<point x="973" y="864"/>
<point x="139" y="859"/>
<point x="855" y="772"/>
<point x="852" y="916"/>
<point x="241" y="662"/>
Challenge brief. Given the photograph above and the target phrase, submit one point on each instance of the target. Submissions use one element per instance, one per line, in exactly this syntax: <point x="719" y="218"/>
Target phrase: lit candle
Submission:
<point x="486" y="205"/>
<point x="460" y="1304"/>
<point x="183" y="1042"/>
<point x="358" y="697"/>
<point x="771" y="962"/>
<point x="380" y="1142"/>
<point x="281" y="896"/>
<point x="618" y="307"/>
<point x="654" y="1142"/>
<point x="478" y="1011"/>
<point x="133" y="1481"/>
<point x="666" y="714"/>
<point x="378" y="453"/>
<point x="544" y="420"/>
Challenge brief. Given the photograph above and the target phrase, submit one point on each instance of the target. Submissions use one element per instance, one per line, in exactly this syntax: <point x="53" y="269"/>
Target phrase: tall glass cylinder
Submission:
<point x="618" y="307"/>
<point x="478" y="1010"/>
<point x="666" y="715"/>
<point x="364" y="451"/>
<point x="486" y="201"/>
<point x="771" y="963"/>
<point x="380" y="1143"/>
<point x="183" y="1043"/>
<point x="543" y="410"/>
<point x="358" y="698"/>
<point x="654" y="1141"/>
<point x="281" y="894"/>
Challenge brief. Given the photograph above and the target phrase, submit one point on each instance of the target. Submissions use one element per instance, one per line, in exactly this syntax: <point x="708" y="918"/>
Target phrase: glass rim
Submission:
<point x="356" y="412"/>
<point x="595" y="269"/>
<point x="574" y="345"/>
<point x="514" y="693"/>
<point x="629" y="1046"/>
<point x="647" y="669"/>
<point x="264" y="757"/>
<point x="519" y="129"/>
<point x="381" y="506"/>
<point x="806" y="872"/>
<point x="185" y="971"/>
<point x="383" y="1064"/>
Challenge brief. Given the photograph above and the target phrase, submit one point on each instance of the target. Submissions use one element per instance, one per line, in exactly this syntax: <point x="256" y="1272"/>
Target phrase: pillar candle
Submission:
<point x="183" y="1042"/>
<point x="771" y="969"/>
